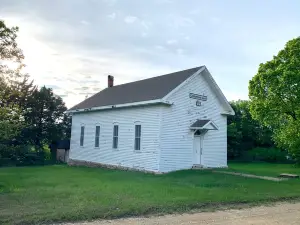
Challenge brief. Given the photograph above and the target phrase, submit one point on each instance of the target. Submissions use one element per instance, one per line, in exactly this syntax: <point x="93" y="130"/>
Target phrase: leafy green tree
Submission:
<point x="245" y="133"/>
<point x="275" y="96"/>
<point x="27" y="115"/>
<point x="45" y="116"/>
<point x="11" y="120"/>
<point x="10" y="123"/>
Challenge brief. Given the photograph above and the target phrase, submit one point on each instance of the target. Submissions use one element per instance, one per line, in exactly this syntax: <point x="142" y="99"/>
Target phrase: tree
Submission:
<point x="45" y="116"/>
<point x="9" y="50"/>
<point x="11" y="119"/>
<point x="275" y="96"/>
<point x="28" y="116"/>
<point x="245" y="133"/>
<point x="10" y="124"/>
<point x="14" y="85"/>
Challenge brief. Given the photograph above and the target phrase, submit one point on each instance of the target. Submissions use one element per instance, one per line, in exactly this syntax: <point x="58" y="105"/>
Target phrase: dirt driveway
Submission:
<point x="282" y="214"/>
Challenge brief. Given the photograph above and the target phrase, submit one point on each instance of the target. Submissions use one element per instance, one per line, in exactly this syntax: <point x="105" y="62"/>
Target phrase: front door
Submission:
<point x="198" y="149"/>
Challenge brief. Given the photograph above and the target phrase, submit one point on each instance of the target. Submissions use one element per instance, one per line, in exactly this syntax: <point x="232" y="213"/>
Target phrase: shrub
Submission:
<point x="267" y="155"/>
<point x="22" y="155"/>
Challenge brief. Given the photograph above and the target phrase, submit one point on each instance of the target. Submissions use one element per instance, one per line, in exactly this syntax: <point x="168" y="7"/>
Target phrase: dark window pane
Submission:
<point x="115" y="136"/>
<point x="115" y="142"/>
<point x="96" y="141"/>
<point x="81" y="135"/>
<point x="137" y="144"/>
<point x="115" y="130"/>
<point x="97" y="130"/>
<point x="137" y="138"/>
<point x="136" y="131"/>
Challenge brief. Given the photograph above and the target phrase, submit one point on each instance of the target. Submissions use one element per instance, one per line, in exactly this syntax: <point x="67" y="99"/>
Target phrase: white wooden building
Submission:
<point x="165" y="123"/>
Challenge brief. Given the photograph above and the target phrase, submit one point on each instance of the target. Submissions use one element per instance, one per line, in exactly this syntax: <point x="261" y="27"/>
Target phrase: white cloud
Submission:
<point x="144" y="34"/>
<point x="187" y="38"/>
<point x="179" y="51"/>
<point x="146" y="24"/>
<point x="108" y="2"/>
<point x="215" y="19"/>
<point x="130" y="19"/>
<point x="159" y="47"/>
<point x="172" y="42"/>
<point x="195" y="11"/>
<point x="84" y="22"/>
<point x="177" y="21"/>
<point x="112" y="16"/>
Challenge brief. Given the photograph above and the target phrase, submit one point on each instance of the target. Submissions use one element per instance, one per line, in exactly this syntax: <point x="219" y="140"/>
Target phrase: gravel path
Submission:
<point x="279" y="214"/>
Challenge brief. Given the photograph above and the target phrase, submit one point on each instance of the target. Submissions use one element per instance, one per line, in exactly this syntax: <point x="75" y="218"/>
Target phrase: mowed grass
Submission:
<point x="58" y="193"/>
<point x="264" y="169"/>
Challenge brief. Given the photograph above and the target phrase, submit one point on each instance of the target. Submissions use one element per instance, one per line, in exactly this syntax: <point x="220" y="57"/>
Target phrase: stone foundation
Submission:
<point x="73" y="162"/>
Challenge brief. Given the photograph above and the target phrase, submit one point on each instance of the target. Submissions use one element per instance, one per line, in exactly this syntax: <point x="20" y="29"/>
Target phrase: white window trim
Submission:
<point x="115" y="124"/>
<point x="97" y="124"/>
<point x="135" y="150"/>
<point x="84" y="131"/>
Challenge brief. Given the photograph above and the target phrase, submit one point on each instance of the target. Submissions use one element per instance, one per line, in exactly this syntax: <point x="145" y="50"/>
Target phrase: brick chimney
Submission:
<point x="110" y="81"/>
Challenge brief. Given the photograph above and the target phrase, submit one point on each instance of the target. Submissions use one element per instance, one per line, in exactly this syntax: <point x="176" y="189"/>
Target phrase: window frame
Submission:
<point x="137" y="136"/>
<point x="81" y="137"/>
<point x="115" y="137"/>
<point x="97" y="138"/>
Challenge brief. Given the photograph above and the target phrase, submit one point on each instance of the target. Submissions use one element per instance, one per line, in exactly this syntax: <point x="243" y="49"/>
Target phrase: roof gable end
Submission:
<point x="213" y="85"/>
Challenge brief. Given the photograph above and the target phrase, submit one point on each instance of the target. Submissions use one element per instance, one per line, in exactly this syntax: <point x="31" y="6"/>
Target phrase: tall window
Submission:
<point x="81" y="135"/>
<point x="115" y="136"/>
<point x="137" y="138"/>
<point x="97" y="136"/>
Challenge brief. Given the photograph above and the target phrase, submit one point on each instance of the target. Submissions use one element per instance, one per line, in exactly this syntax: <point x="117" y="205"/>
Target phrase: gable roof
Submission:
<point x="138" y="91"/>
<point x="154" y="90"/>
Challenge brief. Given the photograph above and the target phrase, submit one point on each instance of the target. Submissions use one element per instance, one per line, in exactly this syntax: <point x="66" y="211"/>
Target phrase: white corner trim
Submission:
<point x="183" y="83"/>
<point x="156" y="101"/>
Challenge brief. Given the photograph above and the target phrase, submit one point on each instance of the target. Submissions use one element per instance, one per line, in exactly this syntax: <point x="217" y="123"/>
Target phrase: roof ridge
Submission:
<point x="167" y="74"/>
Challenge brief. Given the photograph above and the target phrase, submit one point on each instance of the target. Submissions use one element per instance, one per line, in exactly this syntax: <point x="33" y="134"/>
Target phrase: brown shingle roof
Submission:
<point x="143" y="90"/>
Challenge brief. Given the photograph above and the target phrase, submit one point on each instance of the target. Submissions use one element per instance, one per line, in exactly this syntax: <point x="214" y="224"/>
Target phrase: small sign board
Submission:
<point x="199" y="98"/>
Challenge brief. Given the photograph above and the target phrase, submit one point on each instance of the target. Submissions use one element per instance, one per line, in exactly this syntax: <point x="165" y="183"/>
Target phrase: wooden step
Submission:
<point x="288" y="175"/>
<point x="197" y="167"/>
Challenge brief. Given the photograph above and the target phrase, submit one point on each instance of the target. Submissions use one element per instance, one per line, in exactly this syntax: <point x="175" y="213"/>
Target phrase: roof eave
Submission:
<point x="228" y="113"/>
<point x="125" y="105"/>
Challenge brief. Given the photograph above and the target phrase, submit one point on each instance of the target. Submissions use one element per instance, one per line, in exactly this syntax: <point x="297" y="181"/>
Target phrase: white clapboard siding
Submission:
<point x="146" y="159"/>
<point x="176" y="137"/>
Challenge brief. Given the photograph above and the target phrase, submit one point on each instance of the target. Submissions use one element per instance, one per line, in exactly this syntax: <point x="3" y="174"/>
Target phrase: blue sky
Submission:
<point x="72" y="45"/>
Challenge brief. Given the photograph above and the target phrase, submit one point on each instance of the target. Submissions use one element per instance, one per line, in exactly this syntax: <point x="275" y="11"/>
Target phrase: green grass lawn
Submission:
<point x="264" y="169"/>
<point x="47" y="194"/>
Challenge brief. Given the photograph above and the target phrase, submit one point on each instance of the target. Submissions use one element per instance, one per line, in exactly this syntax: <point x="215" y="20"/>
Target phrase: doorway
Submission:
<point x="198" y="147"/>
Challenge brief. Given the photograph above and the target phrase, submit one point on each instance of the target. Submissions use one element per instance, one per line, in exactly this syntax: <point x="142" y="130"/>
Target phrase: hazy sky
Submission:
<point x="72" y="45"/>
